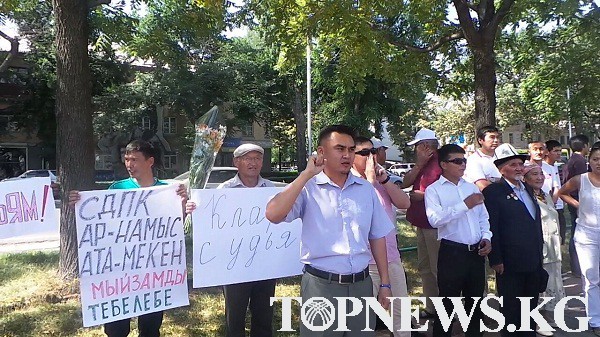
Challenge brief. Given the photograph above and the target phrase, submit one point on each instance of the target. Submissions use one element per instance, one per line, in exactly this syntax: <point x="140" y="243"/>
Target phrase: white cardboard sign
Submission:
<point x="235" y="243"/>
<point x="26" y="207"/>
<point x="131" y="253"/>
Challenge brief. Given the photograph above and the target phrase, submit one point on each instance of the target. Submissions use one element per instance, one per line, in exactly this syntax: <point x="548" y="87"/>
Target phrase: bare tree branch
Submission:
<point x="96" y="3"/>
<point x="14" y="51"/>
<point x="439" y="43"/>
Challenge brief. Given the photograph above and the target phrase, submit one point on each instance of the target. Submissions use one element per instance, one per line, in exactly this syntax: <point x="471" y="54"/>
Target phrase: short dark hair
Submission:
<point x="343" y="129"/>
<point x="551" y="144"/>
<point x="445" y="151"/>
<point x="578" y="142"/>
<point x="593" y="150"/>
<point x="596" y="145"/>
<point x="361" y="140"/>
<point x="485" y="130"/>
<point x="138" y="145"/>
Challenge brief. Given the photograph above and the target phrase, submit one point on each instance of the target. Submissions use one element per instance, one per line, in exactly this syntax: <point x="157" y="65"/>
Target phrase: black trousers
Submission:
<point x="512" y="285"/>
<point x="460" y="273"/>
<point x="256" y="295"/>
<point x="148" y="325"/>
<point x="562" y="224"/>
<point x="574" y="259"/>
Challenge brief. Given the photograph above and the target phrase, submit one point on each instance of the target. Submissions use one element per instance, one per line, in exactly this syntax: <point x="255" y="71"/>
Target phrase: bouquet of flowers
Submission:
<point x="209" y="139"/>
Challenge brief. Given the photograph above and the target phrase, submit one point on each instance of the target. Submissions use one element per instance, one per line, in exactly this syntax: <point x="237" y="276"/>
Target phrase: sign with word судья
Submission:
<point x="235" y="243"/>
<point x="131" y="253"/>
<point x="26" y="207"/>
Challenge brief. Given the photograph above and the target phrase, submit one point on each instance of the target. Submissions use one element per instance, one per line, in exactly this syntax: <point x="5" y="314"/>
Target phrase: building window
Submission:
<point x="169" y="161"/>
<point x="247" y="130"/>
<point x="146" y="123"/>
<point x="170" y="125"/>
<point x="562" y="140"/>
<point x="510" y="138"/>
<point x="104" y="162"/>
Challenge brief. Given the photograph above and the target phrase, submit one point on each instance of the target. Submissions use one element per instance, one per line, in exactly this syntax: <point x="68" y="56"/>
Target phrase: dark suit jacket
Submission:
<point x="517" y="240"/>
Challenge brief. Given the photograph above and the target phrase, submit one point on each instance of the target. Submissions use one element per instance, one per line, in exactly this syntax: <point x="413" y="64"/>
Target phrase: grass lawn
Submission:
<point x="34" y="302"/>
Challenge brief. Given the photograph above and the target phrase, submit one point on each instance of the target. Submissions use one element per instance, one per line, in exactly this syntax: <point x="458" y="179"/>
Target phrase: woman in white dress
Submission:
<point x="534" y="177"/>
<point x="587" y="232"/>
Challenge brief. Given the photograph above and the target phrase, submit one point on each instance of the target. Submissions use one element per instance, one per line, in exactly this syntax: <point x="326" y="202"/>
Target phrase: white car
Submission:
<point x="400" y="169"/>
<point x="218" y="175"/>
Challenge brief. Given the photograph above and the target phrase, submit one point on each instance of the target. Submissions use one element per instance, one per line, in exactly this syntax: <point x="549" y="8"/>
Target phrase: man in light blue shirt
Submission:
<point x="341" y="216"/>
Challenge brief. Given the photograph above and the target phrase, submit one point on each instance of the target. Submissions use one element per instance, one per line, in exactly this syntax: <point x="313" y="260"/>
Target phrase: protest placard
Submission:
<point x="234" y="242"/>
<point x="26" y="207"/>
<point x="131" y="253"/>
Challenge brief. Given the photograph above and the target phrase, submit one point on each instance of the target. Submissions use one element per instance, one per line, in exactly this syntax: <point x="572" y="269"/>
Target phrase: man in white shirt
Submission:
<point x="553" y="157"/>
<point x="480" y="165"/>
<point x="455" y="207"/>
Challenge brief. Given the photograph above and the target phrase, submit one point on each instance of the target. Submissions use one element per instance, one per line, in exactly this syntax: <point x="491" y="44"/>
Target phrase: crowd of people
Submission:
<point x="495" y="203"/>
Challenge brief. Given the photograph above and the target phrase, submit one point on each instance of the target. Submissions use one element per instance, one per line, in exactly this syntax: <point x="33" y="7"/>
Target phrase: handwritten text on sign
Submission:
<point x="234" y="242"/>
<point x="131" y="253"/>
<point x="26" y="207"/>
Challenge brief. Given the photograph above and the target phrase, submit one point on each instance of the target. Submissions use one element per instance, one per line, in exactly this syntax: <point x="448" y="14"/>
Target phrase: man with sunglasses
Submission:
<point x="366" y="165"/>
<point x="425" y="172"/>
<point x="455" y="207"/>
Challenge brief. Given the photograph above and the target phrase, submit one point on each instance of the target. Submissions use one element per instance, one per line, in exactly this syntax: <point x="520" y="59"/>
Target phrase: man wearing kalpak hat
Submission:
<point x="517" y="240"/>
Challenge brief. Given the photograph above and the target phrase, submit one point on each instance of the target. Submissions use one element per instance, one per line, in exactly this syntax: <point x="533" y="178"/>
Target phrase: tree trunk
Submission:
<point x="301" y="126"/>
<point x="75" y="149"/>
<point x="484" y="61"/>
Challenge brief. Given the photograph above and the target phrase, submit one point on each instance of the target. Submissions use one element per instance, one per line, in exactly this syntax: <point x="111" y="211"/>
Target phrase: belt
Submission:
<point x="468" y="248"/>
<point x="339" y="278"/>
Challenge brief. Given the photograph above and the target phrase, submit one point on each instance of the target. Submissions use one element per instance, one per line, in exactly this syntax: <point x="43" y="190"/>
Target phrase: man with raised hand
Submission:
<point x="480" y="165"/>
<point x="139" y="159"/>
<point x="341" y="217"/>
<point x="425" y="172"/>
<point x="366" y="165"/>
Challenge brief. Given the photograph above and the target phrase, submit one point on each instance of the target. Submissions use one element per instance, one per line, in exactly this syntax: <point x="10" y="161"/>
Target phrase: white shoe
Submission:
<point x="544" y="333"/>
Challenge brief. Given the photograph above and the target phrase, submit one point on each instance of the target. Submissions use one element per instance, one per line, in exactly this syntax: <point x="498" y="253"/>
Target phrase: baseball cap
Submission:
<point x="423" y="134"/>
<point x="377" y="143"/>
<point x="245" y="148"/>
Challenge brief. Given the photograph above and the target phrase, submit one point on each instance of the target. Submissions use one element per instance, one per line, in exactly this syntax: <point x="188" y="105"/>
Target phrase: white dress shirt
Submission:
<point x="447" y="211"/>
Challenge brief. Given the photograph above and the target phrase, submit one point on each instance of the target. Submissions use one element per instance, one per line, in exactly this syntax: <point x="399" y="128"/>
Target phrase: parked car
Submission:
<point x="401" y="169"/>
<point x="218" y="175"/>
<point x="34" y="174"/>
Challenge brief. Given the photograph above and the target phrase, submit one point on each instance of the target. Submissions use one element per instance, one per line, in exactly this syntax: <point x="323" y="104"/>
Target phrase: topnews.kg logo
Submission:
<point x="320" y="313"/>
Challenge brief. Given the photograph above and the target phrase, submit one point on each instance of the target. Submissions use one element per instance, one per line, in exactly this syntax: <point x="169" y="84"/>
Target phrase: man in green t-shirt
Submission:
<point x="139" y="159"/>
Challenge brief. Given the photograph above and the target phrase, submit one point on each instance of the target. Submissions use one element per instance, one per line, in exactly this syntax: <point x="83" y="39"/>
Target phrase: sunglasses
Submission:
<point x="457" y="161"/>
<point x="365" y="152"/>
